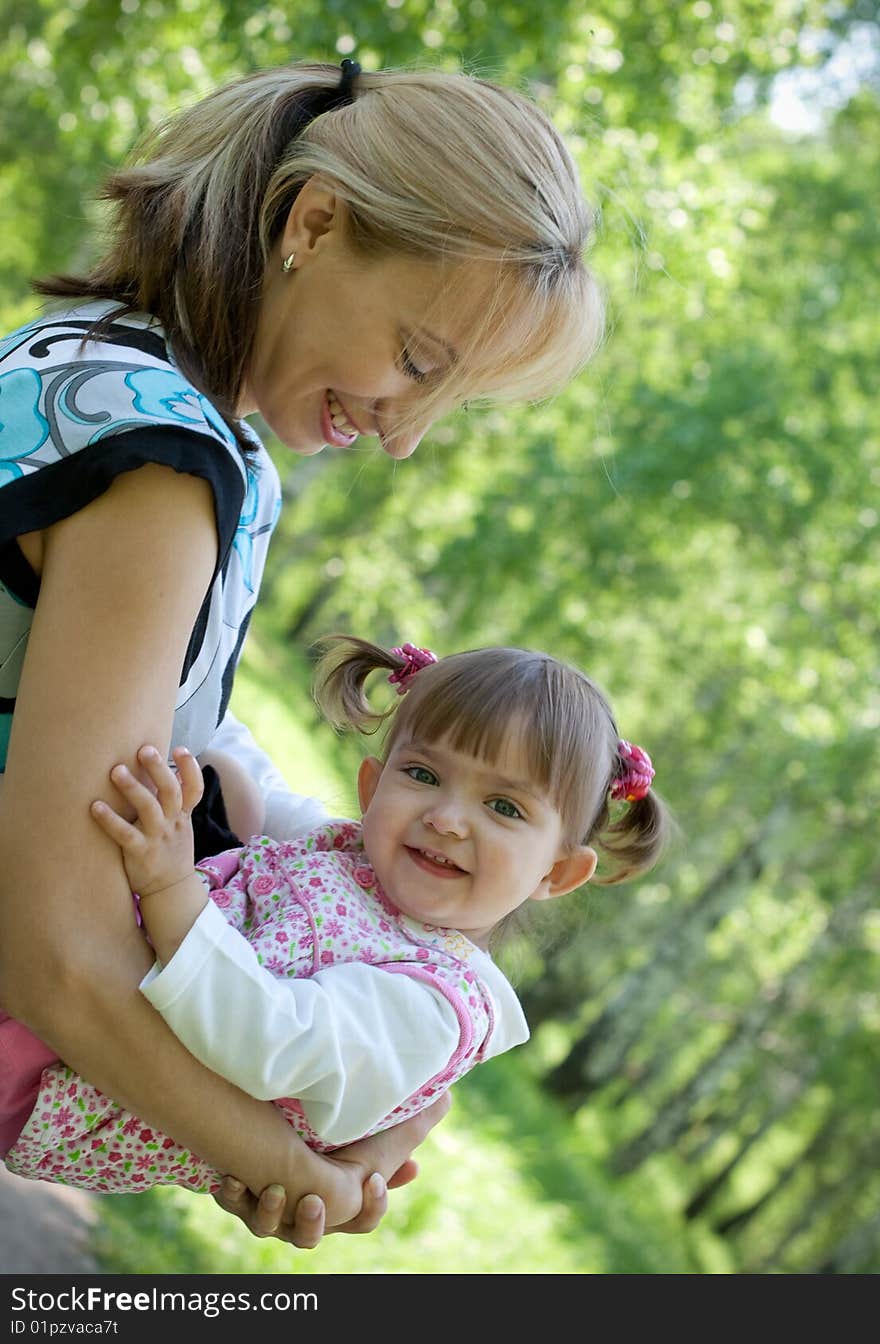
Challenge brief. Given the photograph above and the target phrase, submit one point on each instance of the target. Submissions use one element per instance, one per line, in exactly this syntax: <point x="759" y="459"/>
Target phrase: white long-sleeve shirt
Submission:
<point x="350" y="1043"/>
<point x="288" y="814"/>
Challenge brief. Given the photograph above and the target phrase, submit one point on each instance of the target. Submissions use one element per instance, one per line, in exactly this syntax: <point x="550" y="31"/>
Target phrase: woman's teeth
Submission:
<point x="338" y="416"/>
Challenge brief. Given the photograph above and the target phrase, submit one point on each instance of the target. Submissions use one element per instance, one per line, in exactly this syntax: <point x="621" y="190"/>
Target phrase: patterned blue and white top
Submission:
<point x="73" y="416"/>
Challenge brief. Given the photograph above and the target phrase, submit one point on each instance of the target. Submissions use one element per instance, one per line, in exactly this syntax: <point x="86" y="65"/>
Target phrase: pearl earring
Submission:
<point x="287" y="263"/>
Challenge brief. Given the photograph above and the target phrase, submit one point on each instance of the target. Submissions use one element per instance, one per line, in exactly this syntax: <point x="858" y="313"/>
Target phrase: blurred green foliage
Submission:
<point x="694" y="521"/>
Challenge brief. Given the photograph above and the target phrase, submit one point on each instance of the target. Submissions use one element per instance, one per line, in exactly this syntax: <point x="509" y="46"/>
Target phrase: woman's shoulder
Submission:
<point x="86" y="373"/>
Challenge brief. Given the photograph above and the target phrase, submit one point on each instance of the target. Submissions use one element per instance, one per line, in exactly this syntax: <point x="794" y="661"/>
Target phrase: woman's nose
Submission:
<point x="400" y="432"/>
<point x="401" y="445"/>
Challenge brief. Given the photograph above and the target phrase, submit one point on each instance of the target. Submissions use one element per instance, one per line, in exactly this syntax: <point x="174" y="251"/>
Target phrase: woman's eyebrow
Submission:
<point x="423" y="334"/>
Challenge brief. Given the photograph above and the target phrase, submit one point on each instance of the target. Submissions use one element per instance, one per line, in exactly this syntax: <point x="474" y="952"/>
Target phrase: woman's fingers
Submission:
<point x="309" y="1224"/>
<point x="385" y="1156"/>
<point x="269" y="1212"/>
<point x="373" y="1209"/>
<point x="405" y="1173"/>
<point x="264" y="1217"/>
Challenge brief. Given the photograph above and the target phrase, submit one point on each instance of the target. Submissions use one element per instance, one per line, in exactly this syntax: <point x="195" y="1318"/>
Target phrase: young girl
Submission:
<point x="347" y="975"/>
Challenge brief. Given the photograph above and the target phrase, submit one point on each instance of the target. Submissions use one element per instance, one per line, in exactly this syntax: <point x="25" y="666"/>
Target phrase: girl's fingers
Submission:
<point x="164" y="779"/>
<point x="189" y="774"/>
<point x="118" y="829"/>
<point x="146" y="806"/>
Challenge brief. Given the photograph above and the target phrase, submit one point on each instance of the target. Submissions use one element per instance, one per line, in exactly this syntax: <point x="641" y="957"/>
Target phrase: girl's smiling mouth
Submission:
<point x="432" y="861"/>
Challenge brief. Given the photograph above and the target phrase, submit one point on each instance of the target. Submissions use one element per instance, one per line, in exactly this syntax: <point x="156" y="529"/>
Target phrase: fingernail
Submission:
<point x="233" y="1186"/>
<point x="377" y="1184"/>
<point x="273" y="1197"/>
<point x="310" y="1206"/>
<point x="150" y="752"/>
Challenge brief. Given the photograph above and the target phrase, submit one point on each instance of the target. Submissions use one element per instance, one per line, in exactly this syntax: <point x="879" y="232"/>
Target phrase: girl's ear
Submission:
<point x="568" y="873"/>
<point x="368" y="779"/>
<point x="316" y="214"/>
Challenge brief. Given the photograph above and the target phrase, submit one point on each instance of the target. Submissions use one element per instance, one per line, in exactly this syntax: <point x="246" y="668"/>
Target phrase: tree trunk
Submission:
<point x="599" y="1054"/>
<point x="673" y="1115"/>
<point x="707" y="1193"/>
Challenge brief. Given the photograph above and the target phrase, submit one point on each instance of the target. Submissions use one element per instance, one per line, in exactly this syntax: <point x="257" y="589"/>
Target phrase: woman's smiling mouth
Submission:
<point x="335" y="424"/>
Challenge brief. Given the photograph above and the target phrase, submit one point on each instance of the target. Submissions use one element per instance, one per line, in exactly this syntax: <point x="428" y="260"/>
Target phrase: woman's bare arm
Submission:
<point x="122" y="581"/>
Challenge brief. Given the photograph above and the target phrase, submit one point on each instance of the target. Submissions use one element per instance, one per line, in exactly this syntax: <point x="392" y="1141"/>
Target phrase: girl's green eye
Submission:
<point x="421" y="774"/>
<point x="505" y="808"/>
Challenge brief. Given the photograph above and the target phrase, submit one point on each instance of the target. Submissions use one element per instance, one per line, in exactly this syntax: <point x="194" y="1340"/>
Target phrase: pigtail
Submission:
<point x="341" y="673"/>
<point x="634" y="839"/>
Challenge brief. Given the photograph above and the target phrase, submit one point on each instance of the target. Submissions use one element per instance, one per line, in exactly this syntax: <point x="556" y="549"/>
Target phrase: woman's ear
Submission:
<point x="369" y="775"/>
<point x="317" y="214"/>
<point x="568" y="873"/>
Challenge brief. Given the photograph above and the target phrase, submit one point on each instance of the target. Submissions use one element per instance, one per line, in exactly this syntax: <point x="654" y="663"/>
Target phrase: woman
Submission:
<point x="348" y="256"/>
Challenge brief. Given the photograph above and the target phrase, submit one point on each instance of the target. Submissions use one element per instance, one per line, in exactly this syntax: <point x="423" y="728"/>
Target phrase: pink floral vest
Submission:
<point x="303" y="905"/>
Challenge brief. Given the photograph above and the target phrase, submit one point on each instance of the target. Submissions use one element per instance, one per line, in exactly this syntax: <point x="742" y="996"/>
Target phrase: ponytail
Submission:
<point x="343" y="668"/>
<point x="635" y="839"/>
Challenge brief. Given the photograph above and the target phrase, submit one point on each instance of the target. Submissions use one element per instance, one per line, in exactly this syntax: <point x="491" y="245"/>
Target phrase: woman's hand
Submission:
<point x="359" y="1177"/>
<point x="264" y="1217"/>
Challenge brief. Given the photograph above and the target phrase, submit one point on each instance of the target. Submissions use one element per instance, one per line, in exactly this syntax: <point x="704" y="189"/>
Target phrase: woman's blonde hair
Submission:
<point x="434" y="165"/>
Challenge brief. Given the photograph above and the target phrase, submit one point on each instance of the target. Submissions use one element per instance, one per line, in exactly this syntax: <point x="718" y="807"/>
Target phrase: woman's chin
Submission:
<point x="297" y="442"/>
<point x="306" y="449"/>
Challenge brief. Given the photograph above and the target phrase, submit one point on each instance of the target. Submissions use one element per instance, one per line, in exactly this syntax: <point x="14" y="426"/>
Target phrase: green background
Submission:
<point x="694" y="521"/>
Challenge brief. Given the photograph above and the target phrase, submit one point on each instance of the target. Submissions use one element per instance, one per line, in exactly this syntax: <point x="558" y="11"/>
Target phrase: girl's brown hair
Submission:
<point x="435" y="165"/>
<point x="473" y="699"/>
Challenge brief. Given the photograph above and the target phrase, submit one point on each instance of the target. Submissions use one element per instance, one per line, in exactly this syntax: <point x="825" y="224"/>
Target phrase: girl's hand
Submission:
<point x="157" y="847"/>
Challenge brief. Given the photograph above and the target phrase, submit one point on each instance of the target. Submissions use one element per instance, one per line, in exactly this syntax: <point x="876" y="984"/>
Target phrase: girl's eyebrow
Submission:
<point x="519" y="786"/>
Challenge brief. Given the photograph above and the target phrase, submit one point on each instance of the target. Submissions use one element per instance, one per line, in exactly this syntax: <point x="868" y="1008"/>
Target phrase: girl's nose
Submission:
<point x="446" y="818"/>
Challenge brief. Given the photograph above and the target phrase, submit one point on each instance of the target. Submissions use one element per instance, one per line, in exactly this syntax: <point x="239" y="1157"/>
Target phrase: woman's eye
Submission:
<point x="421" y="774"/>
<point x="411" y="369"/>
<point x="505" y="808"/>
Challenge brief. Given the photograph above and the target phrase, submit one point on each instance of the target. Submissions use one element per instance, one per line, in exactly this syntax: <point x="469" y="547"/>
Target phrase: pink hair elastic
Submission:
<point x="635" y="779"/>
<point x="416" y="659"/>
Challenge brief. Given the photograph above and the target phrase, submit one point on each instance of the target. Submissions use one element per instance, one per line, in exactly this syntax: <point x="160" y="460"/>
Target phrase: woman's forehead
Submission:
<point x="452" y="296"/>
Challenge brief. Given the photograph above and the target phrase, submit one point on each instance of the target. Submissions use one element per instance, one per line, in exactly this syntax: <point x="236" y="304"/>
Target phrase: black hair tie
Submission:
<point x="350" y="72"/>
<point x="327" y="100"/>
<point x="302" y="110"/>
